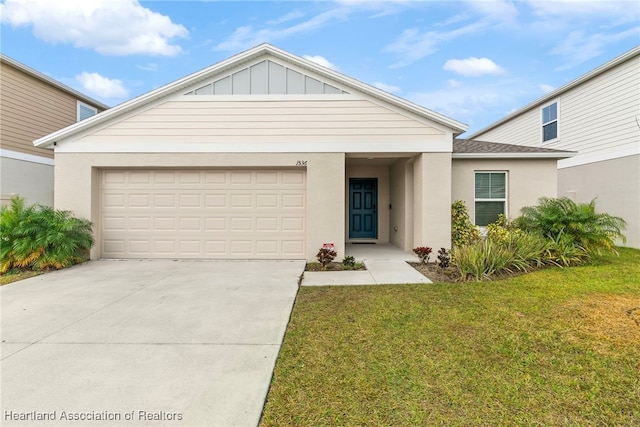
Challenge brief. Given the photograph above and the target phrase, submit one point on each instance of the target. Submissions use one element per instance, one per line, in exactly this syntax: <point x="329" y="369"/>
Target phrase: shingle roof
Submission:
<point x="471" y="147"/>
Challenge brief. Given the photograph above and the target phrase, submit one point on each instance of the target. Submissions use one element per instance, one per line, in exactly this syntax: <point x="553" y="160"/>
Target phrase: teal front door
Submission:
<point x="363" y="208"/>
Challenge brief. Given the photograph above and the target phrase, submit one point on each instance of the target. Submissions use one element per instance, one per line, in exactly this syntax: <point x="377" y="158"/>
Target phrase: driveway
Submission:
<point x="110" y="343"/>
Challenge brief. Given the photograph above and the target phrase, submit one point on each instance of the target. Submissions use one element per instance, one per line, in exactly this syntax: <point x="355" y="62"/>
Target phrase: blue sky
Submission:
<point x="474" y="61"/>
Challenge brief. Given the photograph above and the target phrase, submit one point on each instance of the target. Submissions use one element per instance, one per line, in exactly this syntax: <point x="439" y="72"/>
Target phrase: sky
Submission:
<point x="473" y="61"/>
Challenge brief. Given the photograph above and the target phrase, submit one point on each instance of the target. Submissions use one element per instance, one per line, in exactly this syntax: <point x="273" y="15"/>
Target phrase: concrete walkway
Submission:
<point x="385" y="263"/>
<point x="144" y="343"/>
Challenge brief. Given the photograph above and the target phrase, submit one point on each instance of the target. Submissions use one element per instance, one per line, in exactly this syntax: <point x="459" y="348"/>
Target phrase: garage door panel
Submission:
<point x="203" y="214"/>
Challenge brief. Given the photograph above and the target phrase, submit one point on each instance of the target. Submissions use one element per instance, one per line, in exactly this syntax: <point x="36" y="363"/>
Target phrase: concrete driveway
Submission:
<point x="111" y="343"/>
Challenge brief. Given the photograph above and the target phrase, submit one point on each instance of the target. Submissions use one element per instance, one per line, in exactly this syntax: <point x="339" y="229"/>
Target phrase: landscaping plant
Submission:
<point x="325" y="256"/>
<point x="349" y="261"/>
<point x="423" y="252"/>
<point x="443" y="258"/>
<point x="41" y="238"/>
<point x="567" y="222"/>
<point x="463" y="231"/>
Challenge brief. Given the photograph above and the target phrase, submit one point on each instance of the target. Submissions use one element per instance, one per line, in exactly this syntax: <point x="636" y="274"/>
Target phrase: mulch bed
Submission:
<point x="436" y="274"/>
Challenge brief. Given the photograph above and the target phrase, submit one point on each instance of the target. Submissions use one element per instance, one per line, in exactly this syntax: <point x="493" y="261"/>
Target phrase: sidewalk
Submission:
<point x="385" y="263"/>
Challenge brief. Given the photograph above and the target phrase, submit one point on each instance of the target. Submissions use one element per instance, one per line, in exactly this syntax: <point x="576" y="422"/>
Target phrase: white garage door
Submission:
<point x="243" y="214"/>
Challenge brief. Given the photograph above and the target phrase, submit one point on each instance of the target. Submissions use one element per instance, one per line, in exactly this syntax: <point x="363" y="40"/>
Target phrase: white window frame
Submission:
<point x="543" y="123"/>
<point x="84" y="104"/>
<point x="505" y="199"/>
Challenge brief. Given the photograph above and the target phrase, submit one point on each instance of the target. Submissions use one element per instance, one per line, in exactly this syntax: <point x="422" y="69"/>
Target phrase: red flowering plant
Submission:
<point x="423" y="252"/>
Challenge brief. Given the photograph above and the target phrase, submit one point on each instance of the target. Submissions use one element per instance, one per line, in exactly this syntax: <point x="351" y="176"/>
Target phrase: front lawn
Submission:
<point x="554" y="347"/>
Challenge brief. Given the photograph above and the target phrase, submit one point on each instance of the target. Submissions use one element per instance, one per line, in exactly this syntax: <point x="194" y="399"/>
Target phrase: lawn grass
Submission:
<point x="11" y="277"/>
<point x="554" y="347"/>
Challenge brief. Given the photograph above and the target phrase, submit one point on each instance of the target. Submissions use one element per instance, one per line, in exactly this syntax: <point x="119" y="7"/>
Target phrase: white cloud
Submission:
<point x="454" y="83"/>
<point x="496" y="10"/>
<point x="110" y="27"/>
<point x="246" y="36"/>
<point x="579" y="47"/>
<point x="321" y="60"/>
<point x="151" y="66"/>
<point x="413" y="45"/>
<point x="473" y="67"/>
<point x="100" y="86"/>
<point x="387" y="87"/>
<point x="546" y="88"/>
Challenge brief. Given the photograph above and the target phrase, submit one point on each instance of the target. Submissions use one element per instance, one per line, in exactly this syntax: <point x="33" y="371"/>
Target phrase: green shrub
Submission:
<point x="463" y="231"/>
<point x="565" y="222"/>
<point x="444" y="259"/>
<point x="349" y="261"/>
<point x="41" y="238"/>
<point x="516" y="251"/>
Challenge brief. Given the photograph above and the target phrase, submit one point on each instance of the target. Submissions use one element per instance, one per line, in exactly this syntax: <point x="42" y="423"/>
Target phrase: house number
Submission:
<point x="301" y="163"/>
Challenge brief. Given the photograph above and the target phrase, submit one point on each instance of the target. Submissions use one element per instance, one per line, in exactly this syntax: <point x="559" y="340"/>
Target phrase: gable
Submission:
<point x="265" y="78"/>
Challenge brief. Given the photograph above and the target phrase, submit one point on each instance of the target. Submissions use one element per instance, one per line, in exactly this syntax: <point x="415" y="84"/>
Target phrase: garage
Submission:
<point x="203" y="213"/>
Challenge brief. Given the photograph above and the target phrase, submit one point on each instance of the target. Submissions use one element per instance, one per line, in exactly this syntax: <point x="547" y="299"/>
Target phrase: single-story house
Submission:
<point x="268" y="155"/>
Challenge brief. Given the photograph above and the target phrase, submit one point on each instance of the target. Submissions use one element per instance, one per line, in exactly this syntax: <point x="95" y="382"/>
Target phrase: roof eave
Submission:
<point x="233" y="61"/>
<point x="553" y="94"/>
<point x="561" y="155"/>
<point x="40" y="76"/>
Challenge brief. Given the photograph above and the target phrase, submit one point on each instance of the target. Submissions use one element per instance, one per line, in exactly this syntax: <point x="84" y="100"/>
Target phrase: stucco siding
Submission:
<point x="78" y="174"/>
<point x="527" y="180"/>
<point x="276" y="120"/>
<point x="32" y="181"/>
<point x="432" y="200"/>
<point x="616" y="185"/>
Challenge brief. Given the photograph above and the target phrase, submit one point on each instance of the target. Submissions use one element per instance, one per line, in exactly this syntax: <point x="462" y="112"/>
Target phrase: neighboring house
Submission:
<point x="33" y="105"/>
<point x="598" y="116"/>
<point x="268" y="155"/>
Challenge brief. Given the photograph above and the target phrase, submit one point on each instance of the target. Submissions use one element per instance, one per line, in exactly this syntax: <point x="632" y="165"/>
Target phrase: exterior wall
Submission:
<point x="432" y="200"/>
<point x="29" y="109"/>
<point x="202" y="123"/>
<point x="33" y="181"/>
<point x="596" y="118"/>
<point x="382" y="175"/>
<point x="77" y="177"/>
<point x="401" y="199"/>
<point x="527" y="180"/>
<point x="615" y="184"/>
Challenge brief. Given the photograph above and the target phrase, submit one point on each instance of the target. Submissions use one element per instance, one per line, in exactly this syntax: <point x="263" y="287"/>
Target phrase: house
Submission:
<point x="598" y="116"/>
<point x="33" y="105"/>
<point x="268" y="155"/>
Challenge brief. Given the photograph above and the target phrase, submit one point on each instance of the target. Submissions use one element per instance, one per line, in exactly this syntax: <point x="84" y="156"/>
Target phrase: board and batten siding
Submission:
<point x="30" y="109"/>
<point x="596" y="117"/>
<point x="210" y="120"/>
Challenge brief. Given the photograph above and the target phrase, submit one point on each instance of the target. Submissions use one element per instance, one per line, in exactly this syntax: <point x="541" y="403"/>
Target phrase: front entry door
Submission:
<point x="363" y="208"/>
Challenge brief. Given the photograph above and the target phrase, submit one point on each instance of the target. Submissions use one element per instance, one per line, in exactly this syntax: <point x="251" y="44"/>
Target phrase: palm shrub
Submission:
<point x="463" y="231"/>
<point x="41" y="238"/>
<point x="569" y="223"/>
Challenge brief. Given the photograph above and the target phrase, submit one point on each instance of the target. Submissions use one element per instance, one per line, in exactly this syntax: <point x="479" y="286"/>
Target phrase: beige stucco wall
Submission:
<point x="77" y="189"/>
<point x="615" y="184"/>
<point x="381" y="173"/>
<point x="32" y="181"/>
<point x="401" y="198"/>
<point x="432" y="200"/>
<point x="527" y="180"/>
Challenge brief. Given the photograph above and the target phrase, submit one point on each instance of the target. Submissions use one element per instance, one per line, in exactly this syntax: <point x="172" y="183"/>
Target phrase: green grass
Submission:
<point x="554" y="347"/>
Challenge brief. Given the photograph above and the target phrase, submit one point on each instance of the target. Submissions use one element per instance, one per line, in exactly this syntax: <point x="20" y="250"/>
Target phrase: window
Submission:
<point x="550" y="122"/>
<point x="490" y="197"/>
<point x="85" y="111"/>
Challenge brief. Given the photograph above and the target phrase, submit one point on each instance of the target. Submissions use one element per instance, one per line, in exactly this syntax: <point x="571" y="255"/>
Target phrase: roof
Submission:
<point x="38" y="75"/>
<point x="473" y="149"/>
<point x="235" y="61"/>
<point x="553" y="94"/>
